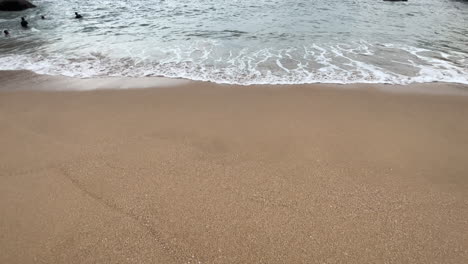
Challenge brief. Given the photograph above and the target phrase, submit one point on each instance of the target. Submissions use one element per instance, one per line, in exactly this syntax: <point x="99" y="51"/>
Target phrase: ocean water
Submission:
<point x="244" y="41"/>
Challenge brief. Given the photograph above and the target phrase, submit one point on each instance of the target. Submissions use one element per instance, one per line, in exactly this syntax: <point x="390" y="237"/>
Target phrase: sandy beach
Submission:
<point x="193" y="172"/>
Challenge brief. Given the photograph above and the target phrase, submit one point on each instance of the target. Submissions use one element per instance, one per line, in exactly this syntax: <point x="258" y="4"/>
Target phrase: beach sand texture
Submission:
<point x="206" y="173"/>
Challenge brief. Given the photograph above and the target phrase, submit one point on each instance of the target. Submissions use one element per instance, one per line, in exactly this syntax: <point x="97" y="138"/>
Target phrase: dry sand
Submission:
<point x="205" y="173"/>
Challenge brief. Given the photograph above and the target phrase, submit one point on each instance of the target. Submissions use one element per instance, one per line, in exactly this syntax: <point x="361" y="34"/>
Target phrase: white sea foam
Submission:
<point x="206" y="61"/>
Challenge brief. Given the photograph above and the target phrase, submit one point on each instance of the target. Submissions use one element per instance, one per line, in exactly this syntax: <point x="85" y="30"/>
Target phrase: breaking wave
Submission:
<point x="359" y="62"/>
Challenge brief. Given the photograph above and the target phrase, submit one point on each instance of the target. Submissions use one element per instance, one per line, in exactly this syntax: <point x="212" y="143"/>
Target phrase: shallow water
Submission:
<point x="244" y="41"/>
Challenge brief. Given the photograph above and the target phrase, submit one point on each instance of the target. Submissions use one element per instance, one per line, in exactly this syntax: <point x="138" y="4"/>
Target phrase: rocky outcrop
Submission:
<point x="15" y="5"/>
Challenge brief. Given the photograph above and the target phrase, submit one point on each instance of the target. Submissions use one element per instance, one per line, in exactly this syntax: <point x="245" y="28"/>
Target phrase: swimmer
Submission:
<point x="24" y="23"/>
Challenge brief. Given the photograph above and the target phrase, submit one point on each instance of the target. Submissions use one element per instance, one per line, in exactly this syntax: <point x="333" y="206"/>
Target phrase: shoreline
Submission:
<point x="18" y="80"/>
<point x="208" y="173"/>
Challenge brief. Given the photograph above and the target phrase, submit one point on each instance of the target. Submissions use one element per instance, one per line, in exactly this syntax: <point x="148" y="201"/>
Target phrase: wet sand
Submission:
<point x="193" y="172"/>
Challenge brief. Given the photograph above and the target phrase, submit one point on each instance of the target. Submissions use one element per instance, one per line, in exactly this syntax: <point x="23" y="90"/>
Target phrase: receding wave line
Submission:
<point x="360" y="62"/>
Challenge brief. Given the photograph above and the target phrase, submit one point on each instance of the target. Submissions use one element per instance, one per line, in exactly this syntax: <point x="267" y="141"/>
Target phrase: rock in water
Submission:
<point x="15" y="5"/>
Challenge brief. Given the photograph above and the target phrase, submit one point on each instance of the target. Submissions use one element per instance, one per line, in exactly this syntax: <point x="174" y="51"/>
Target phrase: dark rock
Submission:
<point x="15" y="5"/>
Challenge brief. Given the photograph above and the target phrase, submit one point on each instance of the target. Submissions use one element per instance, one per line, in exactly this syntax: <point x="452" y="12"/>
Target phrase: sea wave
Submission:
<point x="361" y="62"/>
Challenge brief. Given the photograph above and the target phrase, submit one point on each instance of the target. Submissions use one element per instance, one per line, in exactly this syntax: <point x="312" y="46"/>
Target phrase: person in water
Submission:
<point x="42" y="17"/>
<point x="24" y="23"/>
<point x="78" y="15"/>
<point x="7" y="34"/>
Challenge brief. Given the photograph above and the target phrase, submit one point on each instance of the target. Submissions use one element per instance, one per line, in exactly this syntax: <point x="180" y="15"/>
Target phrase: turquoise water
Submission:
<point x="244" y="41"/>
